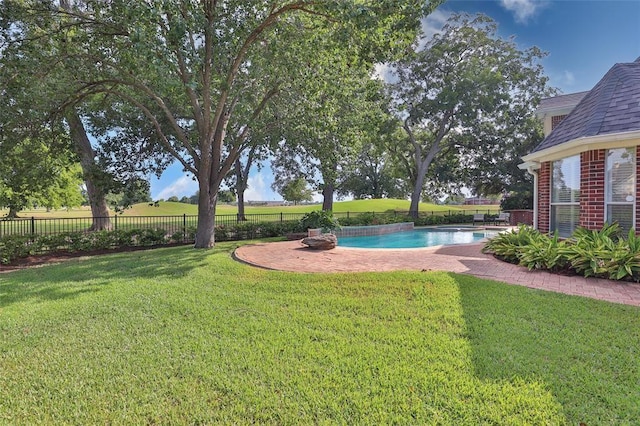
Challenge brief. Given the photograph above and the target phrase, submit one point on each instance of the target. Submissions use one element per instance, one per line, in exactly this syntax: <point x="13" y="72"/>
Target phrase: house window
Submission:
<point x="620" y="187"/>
<point x="565" y="195"/>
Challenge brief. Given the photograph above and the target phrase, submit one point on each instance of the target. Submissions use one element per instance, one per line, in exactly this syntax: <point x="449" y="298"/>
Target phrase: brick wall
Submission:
<point x="592" y="190"/>
<point x="556" y="119"/>
<point x="544" y="194"/>
<point x="637" y="189"/>
<point x="592" y="168"/>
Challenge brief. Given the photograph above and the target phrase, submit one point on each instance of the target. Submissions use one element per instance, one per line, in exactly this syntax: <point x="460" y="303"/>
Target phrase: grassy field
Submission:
<point x="174" y="209"/>
<point x="184" y="336"/>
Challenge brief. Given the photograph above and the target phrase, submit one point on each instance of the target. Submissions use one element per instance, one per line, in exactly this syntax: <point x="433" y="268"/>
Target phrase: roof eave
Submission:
<point x="589" y="143"/>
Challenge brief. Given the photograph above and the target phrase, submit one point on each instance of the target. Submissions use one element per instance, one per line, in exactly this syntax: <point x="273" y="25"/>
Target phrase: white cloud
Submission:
<point x="523" y="10"/>
<point x="317" y="197"/>
<point x="183" y="186"/>
<point x="384" y="72"/>
<point x="568" y="78"/>
<point x="564" y="80"/>
<point x="433" y="23"/>
<point x="259" y="189"/>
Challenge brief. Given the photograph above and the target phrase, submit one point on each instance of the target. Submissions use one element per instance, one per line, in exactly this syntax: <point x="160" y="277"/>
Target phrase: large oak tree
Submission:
<point x="199" y="70"/>
<point x="466" y="93"/>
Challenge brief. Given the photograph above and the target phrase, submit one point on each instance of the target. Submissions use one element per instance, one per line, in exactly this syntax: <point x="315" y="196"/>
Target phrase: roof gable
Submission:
<point x="612" y="106"/>
<point x="560" y="102"/>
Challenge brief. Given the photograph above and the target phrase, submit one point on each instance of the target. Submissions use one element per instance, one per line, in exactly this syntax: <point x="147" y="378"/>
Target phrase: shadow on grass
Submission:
<point x="584" y="350"/>
<point x="78" y="276"/>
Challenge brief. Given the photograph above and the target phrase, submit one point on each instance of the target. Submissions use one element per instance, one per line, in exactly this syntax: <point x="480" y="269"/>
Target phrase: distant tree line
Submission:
<point x="224" y="196"/>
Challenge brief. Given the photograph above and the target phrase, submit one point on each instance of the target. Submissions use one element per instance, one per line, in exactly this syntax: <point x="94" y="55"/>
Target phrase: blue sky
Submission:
<point x="583" y="40"/>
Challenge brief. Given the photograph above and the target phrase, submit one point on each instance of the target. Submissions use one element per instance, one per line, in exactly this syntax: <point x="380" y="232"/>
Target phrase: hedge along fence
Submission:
<point x="182" y="231"/>
<point x="52" y="226"/>
<point x="13" y="247"/>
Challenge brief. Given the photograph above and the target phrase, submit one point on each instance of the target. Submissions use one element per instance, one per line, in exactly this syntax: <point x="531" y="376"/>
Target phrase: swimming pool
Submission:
<point x="424" y="237"/>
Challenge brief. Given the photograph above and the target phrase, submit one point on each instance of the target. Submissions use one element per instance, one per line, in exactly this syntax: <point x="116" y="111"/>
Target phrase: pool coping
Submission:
<point x="293" y="256"/>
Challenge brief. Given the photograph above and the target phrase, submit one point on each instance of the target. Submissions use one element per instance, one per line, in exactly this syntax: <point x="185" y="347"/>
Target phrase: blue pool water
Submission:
<point x="427" y="237"/>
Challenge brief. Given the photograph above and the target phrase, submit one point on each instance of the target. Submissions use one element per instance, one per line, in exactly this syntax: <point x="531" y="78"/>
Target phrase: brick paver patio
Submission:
<point x="465" y="259"/>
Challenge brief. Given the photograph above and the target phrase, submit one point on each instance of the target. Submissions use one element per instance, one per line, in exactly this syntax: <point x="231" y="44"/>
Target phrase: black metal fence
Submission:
<point x="172" y="224"/>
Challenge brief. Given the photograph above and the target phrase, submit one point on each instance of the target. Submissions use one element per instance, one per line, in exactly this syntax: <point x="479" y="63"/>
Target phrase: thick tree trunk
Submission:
<point x="205" y="232"/>
<point x="99" y="209"/>
<point x="241" y="187"/>
<point x="240" y="194"/>
<point x="13" y="213"/>
<point x="327" y="194"/>
<point x="417" y="189"/>
<point x="415" y="199"/>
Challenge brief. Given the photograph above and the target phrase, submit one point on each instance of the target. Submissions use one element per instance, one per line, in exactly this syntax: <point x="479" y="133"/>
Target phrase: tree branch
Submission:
<point x="163" y="138"/>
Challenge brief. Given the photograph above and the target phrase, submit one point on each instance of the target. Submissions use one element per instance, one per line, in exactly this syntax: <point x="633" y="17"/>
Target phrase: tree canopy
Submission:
<point x="296" y="191"/>
<point x="33" y="174"/>
<point x="201" y="73"/>
<point x="460" y="98"/>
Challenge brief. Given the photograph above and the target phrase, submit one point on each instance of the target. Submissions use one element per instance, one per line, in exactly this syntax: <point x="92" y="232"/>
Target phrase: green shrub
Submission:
<point x="55" y="242"/>
<point x="627" y="258"/>
<point x="604" y="253"/>
<point x="246" y="230"/>
<point x="430" y="220"/>
<point x="102" y="240"/>
<point x="509" y="246"/>
<point x="78" y="241"/>
<point x="124" y="238"/>
<point x="278" y="229"/>
<point x="442" y="219"/>
<point x="14" y="247"/>
<point x="322" y="219"/>
<point x="177" y="237"/>
<point x="543" y="252"/>
<point x="151" y="237"/>
<point x="600" y="253"/>
<point x="17" y="246"/>
<point x="221" y="233"/>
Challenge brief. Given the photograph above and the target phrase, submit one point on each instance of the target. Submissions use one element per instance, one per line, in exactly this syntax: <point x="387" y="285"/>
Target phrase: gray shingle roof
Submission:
<point x="612" y="106"/>
<point x="561" y="101"/>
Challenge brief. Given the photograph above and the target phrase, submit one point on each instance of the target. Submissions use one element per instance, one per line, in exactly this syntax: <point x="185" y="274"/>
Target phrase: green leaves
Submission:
<point x="592" y="253"/>
<point x="465" y="100"/>
<point x="322" y="219"/>
<point x="33" y="173"/>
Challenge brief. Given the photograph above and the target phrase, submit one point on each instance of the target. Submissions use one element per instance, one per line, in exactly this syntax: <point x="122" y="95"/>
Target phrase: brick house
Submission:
<point x="586" y="169"/>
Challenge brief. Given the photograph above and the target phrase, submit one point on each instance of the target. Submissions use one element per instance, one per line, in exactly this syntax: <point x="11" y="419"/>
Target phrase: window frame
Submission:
<point x="553" y="226"/>
<point x="608" y="188"/>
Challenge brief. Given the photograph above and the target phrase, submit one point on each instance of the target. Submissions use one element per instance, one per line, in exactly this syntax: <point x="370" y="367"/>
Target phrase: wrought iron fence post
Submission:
<point x="184" y="227"/>
<point x="281" y="220"/>
<point x="33" y="225"/>
<point x="115" y="221"/>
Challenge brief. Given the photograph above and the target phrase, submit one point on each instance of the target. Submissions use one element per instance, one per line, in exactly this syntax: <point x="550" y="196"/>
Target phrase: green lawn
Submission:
<point x="184" y="336"/>
<point x="173" y="209"/>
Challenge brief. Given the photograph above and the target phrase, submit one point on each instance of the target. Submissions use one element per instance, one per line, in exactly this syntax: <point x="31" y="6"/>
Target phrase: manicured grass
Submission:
<point x="586" y="351"/>
<point x="177" y="336"/>
<point x="174" y="209"/>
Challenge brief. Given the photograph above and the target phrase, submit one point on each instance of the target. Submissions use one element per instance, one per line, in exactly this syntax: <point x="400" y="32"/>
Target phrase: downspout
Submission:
<point x="534" y="173"/>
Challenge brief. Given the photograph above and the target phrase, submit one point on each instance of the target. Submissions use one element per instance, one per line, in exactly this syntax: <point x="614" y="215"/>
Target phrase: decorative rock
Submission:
<point x="321" y="242"/>
<point x="314" y="232"/>
<point x="295" y="236"/>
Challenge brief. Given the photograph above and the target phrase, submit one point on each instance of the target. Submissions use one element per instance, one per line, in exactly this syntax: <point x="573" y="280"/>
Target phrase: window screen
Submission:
<point x="620" y="187"/>
<point x="565" y="195"/>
